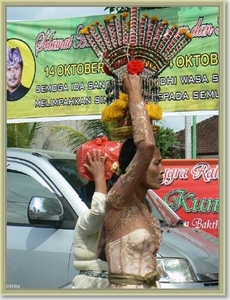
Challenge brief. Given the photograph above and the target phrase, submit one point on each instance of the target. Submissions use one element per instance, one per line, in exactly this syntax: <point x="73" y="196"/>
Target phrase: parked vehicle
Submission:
<point x="44" y="194"/>
<point x="188" y="256"/>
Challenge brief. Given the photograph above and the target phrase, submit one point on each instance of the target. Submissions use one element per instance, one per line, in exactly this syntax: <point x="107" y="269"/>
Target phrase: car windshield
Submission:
<point x="67" y="168"/>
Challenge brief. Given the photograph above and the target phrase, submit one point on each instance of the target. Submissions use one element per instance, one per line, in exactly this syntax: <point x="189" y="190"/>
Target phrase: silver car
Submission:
<point x="45" y="197"/>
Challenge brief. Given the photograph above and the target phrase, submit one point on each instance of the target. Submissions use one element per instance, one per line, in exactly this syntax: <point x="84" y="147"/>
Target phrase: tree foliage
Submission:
<point x="73" y="137"/>
<point x="127" y="9"/>
<point x="166" y="139"/>
<point x="22" y="135"/>
<point x="168" y="143"/>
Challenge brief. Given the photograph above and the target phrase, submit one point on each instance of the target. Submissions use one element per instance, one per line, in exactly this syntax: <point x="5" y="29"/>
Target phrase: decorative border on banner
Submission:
<point x="222" y="161"/>
<point x="68" y="80"/>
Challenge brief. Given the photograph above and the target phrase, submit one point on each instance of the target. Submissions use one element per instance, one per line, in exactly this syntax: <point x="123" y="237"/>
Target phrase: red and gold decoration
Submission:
<point x="141" y="45"/>
<point x="147" y="39"/>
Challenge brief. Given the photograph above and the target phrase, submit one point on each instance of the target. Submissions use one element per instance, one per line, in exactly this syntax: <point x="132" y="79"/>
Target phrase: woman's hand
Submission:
<point x="96" y="166"/>
<point x="133" y="86"/>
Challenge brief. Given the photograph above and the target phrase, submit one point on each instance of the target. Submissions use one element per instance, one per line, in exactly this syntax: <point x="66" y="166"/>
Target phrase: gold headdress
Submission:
<point x="144" y="47"/>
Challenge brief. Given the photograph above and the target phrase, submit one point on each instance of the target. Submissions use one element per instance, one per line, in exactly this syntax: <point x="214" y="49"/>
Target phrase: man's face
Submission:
<point x="13" y="76"/>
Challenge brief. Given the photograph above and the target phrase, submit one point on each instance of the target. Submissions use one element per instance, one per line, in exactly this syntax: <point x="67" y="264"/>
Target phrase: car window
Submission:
<point x="22" y="184"/>
<point x="67" y="168"/>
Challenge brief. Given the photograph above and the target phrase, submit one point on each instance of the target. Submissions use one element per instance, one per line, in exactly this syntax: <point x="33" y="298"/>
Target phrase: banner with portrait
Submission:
<point x="62" y="77"/>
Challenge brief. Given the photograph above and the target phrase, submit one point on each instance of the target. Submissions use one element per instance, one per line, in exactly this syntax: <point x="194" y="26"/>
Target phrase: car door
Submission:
<point x="38" y="256"/>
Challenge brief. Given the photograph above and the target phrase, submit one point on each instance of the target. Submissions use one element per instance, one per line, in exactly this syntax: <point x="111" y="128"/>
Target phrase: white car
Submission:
<point x="44" y="201"/>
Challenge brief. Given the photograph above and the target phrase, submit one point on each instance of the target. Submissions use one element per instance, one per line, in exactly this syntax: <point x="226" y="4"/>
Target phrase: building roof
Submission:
<point x="207" y="136"/>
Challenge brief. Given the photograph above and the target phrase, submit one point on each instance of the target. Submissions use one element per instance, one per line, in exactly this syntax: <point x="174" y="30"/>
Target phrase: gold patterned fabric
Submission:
<point x="133" y="234"/>
<point x="149" y="279"/>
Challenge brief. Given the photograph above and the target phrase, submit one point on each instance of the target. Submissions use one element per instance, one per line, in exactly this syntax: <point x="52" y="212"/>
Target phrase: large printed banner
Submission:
<point x="190" y="188"/>
<point x="63" y="77"/>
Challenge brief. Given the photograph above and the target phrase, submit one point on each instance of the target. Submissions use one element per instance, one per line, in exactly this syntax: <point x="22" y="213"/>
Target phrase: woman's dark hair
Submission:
<point x="127" y="152"/>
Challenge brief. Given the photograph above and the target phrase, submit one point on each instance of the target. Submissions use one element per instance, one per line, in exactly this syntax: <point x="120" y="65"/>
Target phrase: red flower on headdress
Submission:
<point x="135" y="67"/>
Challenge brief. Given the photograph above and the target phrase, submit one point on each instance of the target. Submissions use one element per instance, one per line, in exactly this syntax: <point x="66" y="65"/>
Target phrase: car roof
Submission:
<point x="45" y="154"/>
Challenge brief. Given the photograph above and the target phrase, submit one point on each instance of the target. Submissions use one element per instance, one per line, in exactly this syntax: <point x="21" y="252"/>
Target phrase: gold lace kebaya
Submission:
<point x="133" y="234"/>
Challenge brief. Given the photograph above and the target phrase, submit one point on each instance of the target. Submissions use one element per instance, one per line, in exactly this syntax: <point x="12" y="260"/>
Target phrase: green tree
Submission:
<point x="90" y="129"/>
<point x="168" y="143"/>
<point x="124" y="9"/>
<point x="174" y="13"/>
<point x="73" y="137"/>
<point x="22" y="135"/>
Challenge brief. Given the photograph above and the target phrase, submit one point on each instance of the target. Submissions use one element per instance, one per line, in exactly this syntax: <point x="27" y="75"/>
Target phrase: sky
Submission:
<point x="46" y="13"/>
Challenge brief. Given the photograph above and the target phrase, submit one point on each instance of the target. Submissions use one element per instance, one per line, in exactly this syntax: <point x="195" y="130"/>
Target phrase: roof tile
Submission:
<point x="207" y="136"/>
